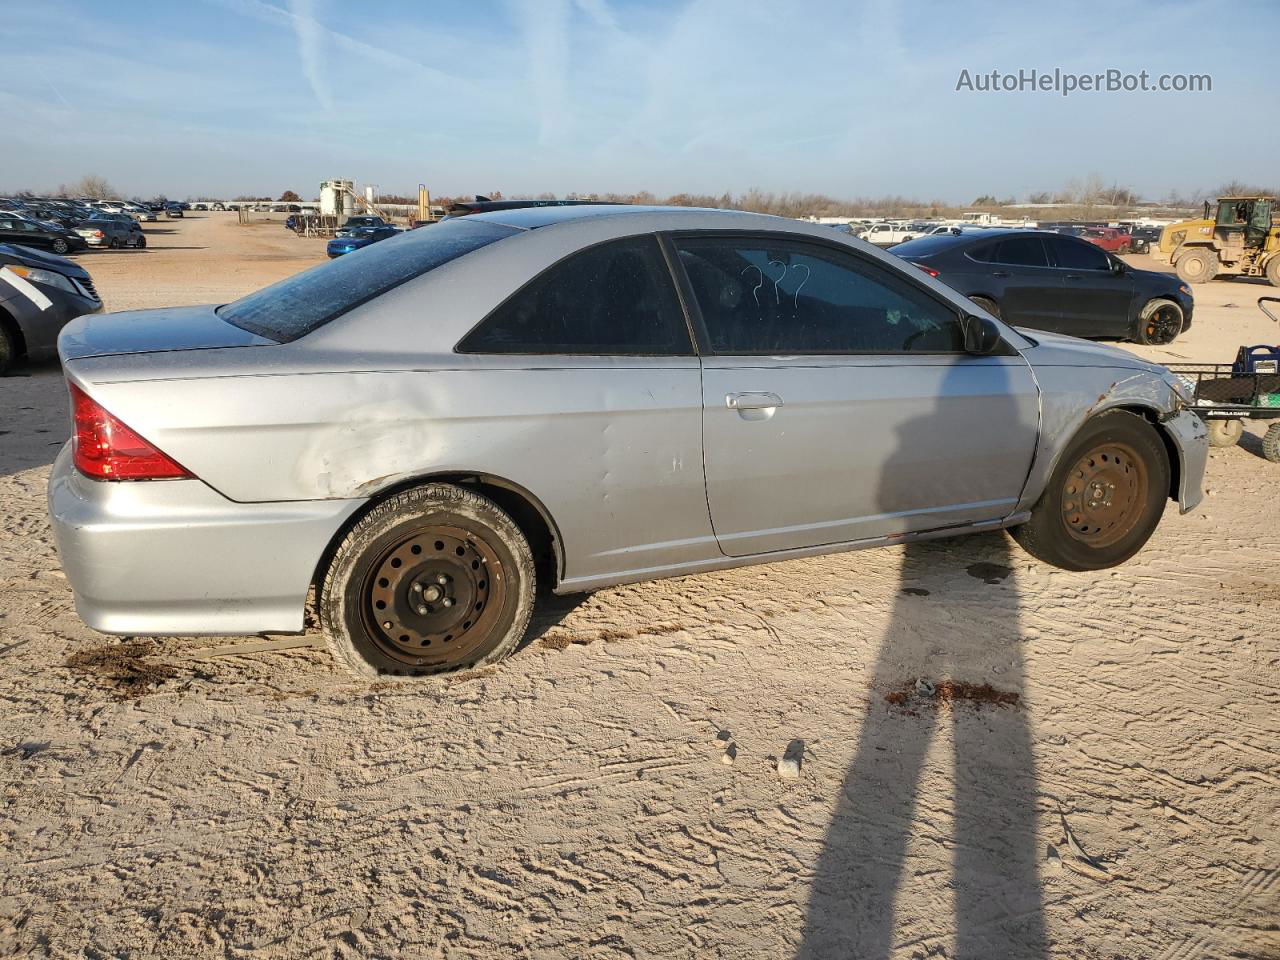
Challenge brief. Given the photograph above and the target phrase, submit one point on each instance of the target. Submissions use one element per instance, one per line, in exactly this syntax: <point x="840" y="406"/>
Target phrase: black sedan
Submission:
<point x="1063" y="284"/>
<point x="36" y="233"/>
<point x="39" y="295"/>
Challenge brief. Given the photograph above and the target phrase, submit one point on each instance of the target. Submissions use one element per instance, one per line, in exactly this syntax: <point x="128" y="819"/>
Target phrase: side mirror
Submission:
<point x="1117" y="266"/>
<point x="981" y="336"/>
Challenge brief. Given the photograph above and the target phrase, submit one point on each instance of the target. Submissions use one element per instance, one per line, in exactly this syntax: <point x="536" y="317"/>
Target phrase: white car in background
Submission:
<point x="887" y="234"/>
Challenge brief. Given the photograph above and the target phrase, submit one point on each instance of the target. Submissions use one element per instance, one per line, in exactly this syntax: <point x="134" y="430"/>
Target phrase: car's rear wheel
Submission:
<point x="1105" y="497"/>
<point x="989" y="305"/>
<point x="60" y="246"/>
<point x="1160" y="322"/>
<point x="434" y="579"/>
<point x="1197" y="266"/>
<point x="141" y="242"/>
<point x="116" y="243"/>
<point x="1224" y="433"/>
<point x="1273" y="271"/>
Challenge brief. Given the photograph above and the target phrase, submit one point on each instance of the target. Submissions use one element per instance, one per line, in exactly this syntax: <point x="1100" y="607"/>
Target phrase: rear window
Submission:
<point x="302" y="303"/>
<point x="926" y="246"/>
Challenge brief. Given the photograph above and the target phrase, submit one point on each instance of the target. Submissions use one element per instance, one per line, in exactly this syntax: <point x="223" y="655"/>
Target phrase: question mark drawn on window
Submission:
<point x="807" y="274"/>
<point x="777" y="296"/>
<point x="755" y="291"/>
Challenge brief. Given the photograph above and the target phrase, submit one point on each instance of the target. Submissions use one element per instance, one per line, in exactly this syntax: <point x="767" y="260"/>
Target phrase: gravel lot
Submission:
<point x="1095" y="775"/>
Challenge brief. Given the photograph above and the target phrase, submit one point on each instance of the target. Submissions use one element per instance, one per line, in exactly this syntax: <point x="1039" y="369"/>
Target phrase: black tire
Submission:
<point x="989" y="305"/>
<point x="1271" y="443"/>
<point x="1273" y="271"/>
<point x="60" y="246"/>
<point x="142" y="242"/>
<point x="1224" y="433"/>
<point x="116" y="243"/>
<point x="8" y="351"/>
<point x="1116" y="448"/>
<point x="1159" y="323"/>
<point x="1197" y="265"/>
<point x="414" y="558"/>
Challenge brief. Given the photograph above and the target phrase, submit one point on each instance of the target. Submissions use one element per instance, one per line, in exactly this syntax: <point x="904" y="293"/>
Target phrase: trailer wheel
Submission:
<point x="1271" y="443"/>
<point x="1224" y="433"/>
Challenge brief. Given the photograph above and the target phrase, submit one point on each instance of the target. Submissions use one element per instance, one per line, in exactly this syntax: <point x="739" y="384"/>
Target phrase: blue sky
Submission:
<point x="853" y="98"/>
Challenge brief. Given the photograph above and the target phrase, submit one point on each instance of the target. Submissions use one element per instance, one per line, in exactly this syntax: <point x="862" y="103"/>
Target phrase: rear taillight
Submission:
<point x="98" y="234"/>
<point x="932" y="273"/>
<point x="106" y="449"/>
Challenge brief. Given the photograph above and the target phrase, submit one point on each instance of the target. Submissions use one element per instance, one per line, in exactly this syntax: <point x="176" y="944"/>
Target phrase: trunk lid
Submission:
<point x="152" y="331"/>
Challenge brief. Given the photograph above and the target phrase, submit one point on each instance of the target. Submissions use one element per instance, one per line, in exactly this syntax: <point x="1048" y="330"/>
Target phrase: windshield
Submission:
<point x="302" y="303"/>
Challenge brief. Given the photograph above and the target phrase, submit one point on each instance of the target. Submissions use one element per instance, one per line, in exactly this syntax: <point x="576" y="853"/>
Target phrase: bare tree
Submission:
<point x="91" y="185"/>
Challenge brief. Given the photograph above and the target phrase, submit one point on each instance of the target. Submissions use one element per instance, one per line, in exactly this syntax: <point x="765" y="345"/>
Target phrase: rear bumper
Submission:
<point x="1187" y="431"/>
<point x="176" y="557"/>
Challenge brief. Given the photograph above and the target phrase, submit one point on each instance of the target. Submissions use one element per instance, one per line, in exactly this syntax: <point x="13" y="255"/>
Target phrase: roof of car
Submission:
<point x="530" y="218"/>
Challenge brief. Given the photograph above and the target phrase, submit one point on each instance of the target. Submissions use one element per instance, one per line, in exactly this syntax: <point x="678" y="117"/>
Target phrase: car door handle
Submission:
<point x="999" y="273"/>
<point x="753" y="406"/>
<point x="1073" y="276"/>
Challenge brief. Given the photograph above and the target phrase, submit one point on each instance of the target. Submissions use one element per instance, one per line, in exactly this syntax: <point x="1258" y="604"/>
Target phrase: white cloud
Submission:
<point x="311" y="45"/>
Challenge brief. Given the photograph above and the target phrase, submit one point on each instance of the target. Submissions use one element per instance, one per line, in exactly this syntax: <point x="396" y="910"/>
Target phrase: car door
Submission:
<point x="1015" y="271"/>
<point x="838" y="404"/>
<point x="1096" y="300"/>
<point x="592" y="368"/>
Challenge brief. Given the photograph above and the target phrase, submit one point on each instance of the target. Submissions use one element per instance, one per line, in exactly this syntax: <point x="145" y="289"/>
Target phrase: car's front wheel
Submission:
<point x="1160" y="322"/>
<point x="1105" y="497"/>
<point x="989" y="305"/>
<point x="434" y="579"/>
<point x="60" y="246"/>
<point x="8" y="351"/>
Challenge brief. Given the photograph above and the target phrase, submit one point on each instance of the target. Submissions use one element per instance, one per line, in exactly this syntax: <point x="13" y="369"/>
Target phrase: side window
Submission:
<point x="1021" y="252"/>
<point x="779" y="296"/>
<point x="985" y="253"/>
<point x="1073" y="254"/>
<point x="615" y="298"/>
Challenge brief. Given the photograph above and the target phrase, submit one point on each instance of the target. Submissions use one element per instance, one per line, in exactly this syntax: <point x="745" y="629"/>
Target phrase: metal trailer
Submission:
<point x="1227" y="394"/>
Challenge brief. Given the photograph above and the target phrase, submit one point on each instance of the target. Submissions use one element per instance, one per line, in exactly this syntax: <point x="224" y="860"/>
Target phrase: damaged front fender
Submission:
<point x="1072" y="394"/>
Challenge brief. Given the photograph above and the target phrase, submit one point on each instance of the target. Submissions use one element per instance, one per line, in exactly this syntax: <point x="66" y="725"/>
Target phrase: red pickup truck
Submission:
<point x="1109" y="239"/>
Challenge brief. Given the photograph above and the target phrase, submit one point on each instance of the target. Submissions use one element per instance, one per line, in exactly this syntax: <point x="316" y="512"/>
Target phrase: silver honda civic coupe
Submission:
<point x="584" y="396"/>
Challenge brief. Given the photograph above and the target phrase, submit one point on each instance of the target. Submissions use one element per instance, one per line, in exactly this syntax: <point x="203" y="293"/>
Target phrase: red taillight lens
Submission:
<point x="105" y="449"/>
<point x="98" y="234"/>
<point x="932" y="273"/>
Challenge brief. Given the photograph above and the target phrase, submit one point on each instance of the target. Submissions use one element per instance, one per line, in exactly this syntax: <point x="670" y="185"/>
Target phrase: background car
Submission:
<point x="1049" y="281"/>
<point x="1109" y="239"/>
<point x="15" y="229"/>
<point x="593" y="397"/>
<point x="173" y="211"/>
<point x="358" y="238"/>
<point x="1142" y="239"/>
<point x="39" y="294"/>
<point x="115" y="231"/>
<point x="357" y="223"/>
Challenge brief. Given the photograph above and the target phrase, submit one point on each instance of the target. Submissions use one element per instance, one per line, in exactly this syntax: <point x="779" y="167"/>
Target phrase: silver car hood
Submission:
<point x="1060" y="350"/>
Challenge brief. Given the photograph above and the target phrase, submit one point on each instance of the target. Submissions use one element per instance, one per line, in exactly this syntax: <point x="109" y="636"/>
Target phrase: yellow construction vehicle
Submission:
<point x="1242" y="240"/>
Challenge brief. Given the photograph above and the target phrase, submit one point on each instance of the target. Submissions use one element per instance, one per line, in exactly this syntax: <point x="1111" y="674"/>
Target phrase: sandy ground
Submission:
<point x="613" y="790"/>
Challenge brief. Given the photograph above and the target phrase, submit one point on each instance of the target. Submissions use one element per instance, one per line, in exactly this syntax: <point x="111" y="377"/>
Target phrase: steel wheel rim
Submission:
<point x="1104" y="495"/>
<point x="1162" y="325"/>
<point x="450" y="572"/>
